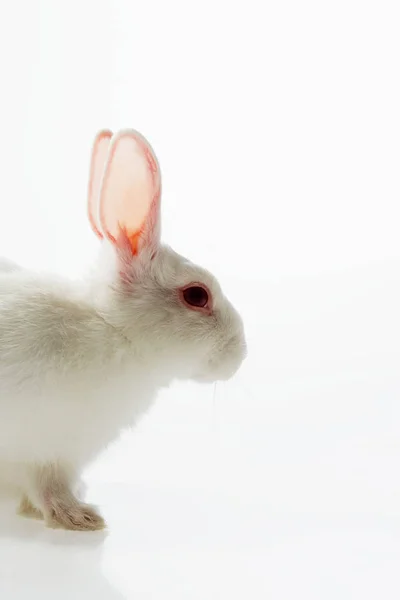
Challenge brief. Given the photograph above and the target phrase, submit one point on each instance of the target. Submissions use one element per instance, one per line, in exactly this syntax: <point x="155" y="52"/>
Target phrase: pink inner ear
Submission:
<point x="97" y="165"/>
<point x="130" y="189"/>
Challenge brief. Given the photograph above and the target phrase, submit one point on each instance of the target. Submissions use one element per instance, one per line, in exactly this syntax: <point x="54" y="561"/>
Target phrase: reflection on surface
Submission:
<point x="37" y="562"/>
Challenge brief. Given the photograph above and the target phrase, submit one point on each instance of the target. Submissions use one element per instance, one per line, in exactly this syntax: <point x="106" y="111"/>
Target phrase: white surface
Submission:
<point x="277" y="127"/>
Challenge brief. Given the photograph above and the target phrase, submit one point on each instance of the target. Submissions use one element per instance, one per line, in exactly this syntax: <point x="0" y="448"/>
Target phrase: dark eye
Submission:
<point x="196" y="296"/>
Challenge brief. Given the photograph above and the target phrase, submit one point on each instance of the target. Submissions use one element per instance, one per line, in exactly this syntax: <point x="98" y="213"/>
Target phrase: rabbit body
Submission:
<point x="69" y="381"/>
<point x="69" y="384"/>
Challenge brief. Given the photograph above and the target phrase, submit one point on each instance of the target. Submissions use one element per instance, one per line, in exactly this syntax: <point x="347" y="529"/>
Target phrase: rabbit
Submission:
<point x="82" y="361"/>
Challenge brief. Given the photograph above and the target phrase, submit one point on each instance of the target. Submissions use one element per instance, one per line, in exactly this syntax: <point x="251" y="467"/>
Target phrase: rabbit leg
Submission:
<point x="51" y="491"/>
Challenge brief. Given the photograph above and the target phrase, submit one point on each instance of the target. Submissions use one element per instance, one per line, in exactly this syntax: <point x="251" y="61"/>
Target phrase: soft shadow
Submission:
<point x="46" y="563"/>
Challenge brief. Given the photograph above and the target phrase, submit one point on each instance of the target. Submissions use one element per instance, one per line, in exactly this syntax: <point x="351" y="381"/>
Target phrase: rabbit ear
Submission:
<point x="130" y="193"/>
<point x="98" y="160"/>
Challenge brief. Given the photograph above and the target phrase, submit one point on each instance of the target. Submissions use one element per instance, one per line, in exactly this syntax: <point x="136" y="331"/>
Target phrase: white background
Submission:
<point x="277" y="126"/>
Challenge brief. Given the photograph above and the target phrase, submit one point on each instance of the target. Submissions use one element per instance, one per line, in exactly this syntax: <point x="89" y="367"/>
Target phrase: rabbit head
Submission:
<point x="172" y="311"/>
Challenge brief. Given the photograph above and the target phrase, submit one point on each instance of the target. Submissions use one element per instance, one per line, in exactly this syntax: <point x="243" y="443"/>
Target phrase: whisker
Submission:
<point x="214" y="393"/>
<point x="245" y="388"/>
<point x="214" y="404"/>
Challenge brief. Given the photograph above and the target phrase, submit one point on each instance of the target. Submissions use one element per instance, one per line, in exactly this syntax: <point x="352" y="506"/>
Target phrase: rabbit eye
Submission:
<point x="196" y="297"/>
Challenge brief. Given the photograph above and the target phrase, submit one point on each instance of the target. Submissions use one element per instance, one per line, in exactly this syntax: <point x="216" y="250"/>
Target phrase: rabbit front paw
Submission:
<point x="75" y="516"/>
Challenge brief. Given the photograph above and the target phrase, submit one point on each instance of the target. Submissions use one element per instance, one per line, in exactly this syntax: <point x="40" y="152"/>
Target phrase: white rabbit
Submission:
<point x="79" y="363"/>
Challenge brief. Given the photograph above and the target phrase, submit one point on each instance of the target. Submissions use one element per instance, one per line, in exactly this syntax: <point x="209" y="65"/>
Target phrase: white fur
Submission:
<point x="79" y="363"/>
